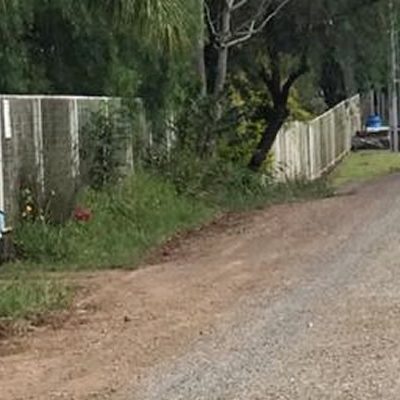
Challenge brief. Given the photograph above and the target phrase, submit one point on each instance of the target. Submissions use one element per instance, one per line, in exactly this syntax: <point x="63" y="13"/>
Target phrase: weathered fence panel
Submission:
<point x="40" y="149"/>
<point x="309" y="149"/>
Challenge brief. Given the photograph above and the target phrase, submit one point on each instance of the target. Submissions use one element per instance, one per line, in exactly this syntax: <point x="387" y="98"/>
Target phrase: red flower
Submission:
<point x="82" y="214"/>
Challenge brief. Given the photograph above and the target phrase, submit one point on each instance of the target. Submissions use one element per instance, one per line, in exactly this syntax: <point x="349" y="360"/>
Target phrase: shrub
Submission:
<point x="105" y="145"/>
<point x="129" y="218"/>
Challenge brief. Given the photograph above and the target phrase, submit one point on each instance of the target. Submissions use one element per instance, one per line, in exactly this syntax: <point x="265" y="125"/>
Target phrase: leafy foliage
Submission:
<point x="167" y="23"/>
<point x="128" y="219"/>
<point x="105" y="144"/>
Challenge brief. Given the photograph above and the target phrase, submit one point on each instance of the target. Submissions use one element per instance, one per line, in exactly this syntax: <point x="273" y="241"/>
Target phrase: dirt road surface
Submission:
<point x="299" y="301"/>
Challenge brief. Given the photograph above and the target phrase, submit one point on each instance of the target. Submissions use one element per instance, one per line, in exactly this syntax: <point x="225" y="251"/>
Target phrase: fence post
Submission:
<point x="306" y="150"/>
<point x="349" y="126"/>
<point x="277" y="155"/>
<point x="333" y="135"/>
<point x="2" y="200"/>
<point x="74" y="133"/>
<point x="311" y="151"/>
<point x="38" y="142"/>
<point x="292" y="151"/>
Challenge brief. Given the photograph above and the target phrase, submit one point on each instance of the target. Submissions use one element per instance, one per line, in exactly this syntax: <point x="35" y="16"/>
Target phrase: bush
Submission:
<point x="144" y="210"/>
<point x="106" y="139"/>
<point x="128" y="219"/>
<point x="214" y="142"/>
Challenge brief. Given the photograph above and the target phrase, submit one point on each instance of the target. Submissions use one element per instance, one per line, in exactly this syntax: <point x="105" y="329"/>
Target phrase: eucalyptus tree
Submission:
<point x="304" y="37"/>
<point x="232" y="23"/>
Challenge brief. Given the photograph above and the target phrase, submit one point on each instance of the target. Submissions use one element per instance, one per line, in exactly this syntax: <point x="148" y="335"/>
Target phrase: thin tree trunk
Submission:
<point x="223" y="51"/>
<point x="201" y="68"/>
<point x="201" y="65"/>
<point x="280" y="96"/>
<point x="222" y="70"/>
<point x="267" y="140"/>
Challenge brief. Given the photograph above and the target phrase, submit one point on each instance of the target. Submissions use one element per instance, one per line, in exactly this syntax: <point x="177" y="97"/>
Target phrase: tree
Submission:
<point x="167" y="23"/>
<point x="295" y="41"/>
<point x="231" y="23"/>
<point x="147" y="48"/>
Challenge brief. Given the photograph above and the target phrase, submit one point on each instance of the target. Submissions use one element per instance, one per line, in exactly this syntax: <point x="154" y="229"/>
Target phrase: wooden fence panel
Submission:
<point x="308" y="150"/>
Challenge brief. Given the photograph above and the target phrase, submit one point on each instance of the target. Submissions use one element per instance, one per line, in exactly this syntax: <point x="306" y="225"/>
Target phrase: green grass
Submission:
<point x="365" y="165"/>
<point x="273" y="194"/>
<point x="26" y="297"/>
<point x="138" y="215"/>
<point x="128" y="220"/>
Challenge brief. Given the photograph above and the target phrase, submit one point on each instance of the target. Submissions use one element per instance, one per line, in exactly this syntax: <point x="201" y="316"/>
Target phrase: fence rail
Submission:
<point x="308" y="150"/>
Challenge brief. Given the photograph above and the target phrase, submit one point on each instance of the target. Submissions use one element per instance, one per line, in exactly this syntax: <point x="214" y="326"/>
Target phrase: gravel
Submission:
<point x="331" y="334"/>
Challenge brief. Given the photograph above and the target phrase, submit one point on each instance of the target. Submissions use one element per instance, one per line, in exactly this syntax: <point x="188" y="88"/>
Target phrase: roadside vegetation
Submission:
<point x="365" y="165"/>
<point x="221" y="77"/>
<point x="128" y="220"/>
<point x="137" y="215"/>
<point x="30" y="297"/>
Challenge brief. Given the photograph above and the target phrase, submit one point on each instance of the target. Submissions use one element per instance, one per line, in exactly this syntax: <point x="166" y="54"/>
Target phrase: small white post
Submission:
<point x="38" y="141"/>
<point x="74" y="135"/>
<point x="394" y="88"/>
<point x="312" y="151"/>
<point x="2" y="201"/>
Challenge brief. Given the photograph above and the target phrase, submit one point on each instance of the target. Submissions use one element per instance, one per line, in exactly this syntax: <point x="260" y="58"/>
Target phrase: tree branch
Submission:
<point x="210" y="23"/>
<point x="255" y="25"/>
<point x="300" y="71"/>
<point x="240" y="4"/>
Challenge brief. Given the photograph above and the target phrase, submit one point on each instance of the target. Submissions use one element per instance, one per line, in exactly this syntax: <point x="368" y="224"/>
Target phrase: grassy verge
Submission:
<point x="138" y="215"/>
<point x="127" y="222"/>
<point x="26" y="297"/>
<point x="365" y="165"/>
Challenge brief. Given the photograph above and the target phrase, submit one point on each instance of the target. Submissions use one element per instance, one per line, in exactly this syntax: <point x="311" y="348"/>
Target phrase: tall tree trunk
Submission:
<point x="222" y="70"/>
<point x="201" y="64"/>
<point x="223" y="51"/>
<point x="201" y="67"/>
<point x="267" y="141"/>
<point x="279" y="113"/>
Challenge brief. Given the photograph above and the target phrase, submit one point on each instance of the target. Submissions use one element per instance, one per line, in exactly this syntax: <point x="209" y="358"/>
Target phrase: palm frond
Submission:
<point x="166" y="22"/>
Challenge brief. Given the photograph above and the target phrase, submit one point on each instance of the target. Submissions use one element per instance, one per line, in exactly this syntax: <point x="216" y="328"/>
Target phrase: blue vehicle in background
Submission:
<point x="374" y="124"/>
<point x="375" y="135"/>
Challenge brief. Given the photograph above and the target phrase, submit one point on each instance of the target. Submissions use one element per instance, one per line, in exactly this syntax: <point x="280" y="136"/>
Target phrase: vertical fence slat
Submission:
<point x="309" y="150"/>
<point x="38" y="143"/>
<point x="74" y="139"/>
<point x="1" y="158"/>
<point x="40" y="140"/>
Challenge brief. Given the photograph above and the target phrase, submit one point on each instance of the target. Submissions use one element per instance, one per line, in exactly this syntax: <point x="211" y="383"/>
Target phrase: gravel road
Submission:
<point x="334" y="334"/>
<point x="298" y="301"/>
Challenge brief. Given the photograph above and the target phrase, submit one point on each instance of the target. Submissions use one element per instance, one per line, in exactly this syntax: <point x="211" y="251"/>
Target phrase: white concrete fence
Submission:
<point x="309" y="149"/>
<point x="40" y="143"/>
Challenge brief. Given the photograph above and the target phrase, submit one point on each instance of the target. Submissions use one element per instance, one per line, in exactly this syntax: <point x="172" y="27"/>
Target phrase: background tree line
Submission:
<point x="231" y="71"/>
